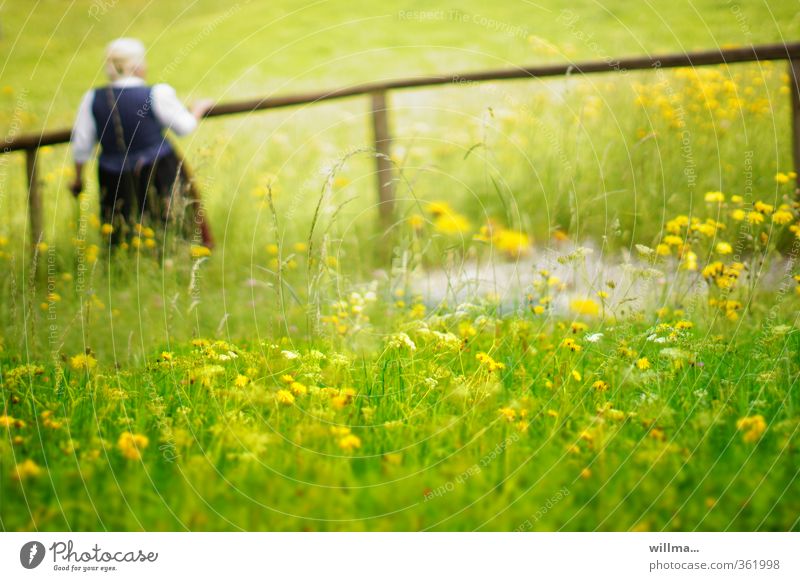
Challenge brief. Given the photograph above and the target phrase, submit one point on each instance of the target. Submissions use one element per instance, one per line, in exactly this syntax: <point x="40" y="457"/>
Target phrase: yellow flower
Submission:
<point x="241" y="380"/>
<point x="416" y="221"/>
<point x="106" y="229"/>
<point x="571" y="344"/>
<point x="340" y="430"/>
<point x="737" y="199"/>
<point x="490" y="364"/>
<point x="511" y="242"/>
<point x="284" y="397"/>
<point x="27" y="469"/>
<point x="763" y="208"/>
<point x="782" y="217"/>
<point x="663" y="250"/>
<point x="83" y="362"/>
<point x="717" y="197"/>
<point x="576" y="375"/>
<point x="349" y="442"/>
<point x="131" y="445"/>
<point x="673" y="240"/>
<point x="452" y="223"/>
<point x="689" y="261"/>
<point x="600" y="385"/>
<point x="439" y="208"/>
<point x="10" y="422"/>
<point x="753" y="428"/>
<point x="42" y="247"/>
<point x="298" y="388"/>
<point x="738" y="215"/>
<point x="578" y="327"/>
<point x="585" y="307"/>
<point x="508" y="414"/>
<point x="781" y="178"/>
<point x="755" y="218"/>
<point x="199" y="251"/>
<point x="724" y="248"/>
<point x="643" y="364"/>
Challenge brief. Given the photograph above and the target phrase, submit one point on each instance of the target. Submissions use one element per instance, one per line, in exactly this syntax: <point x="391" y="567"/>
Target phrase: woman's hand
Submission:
<point x="201" y="107"/>
<point x="76" y="187"/>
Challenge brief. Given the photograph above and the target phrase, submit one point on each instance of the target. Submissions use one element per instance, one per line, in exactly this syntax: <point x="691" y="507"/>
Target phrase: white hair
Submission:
<point x="123" y="57"/>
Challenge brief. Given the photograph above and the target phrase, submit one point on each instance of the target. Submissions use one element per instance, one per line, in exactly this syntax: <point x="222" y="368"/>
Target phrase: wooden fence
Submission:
<point x="790" y="52"/>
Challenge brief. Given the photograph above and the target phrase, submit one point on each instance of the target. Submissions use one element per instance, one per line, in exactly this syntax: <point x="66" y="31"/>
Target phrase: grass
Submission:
<point x="294" y="380"/>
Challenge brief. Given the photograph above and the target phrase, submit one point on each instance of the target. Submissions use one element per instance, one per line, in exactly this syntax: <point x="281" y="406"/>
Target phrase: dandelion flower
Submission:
<point x="643" y="364"/>
<point x="663" y="250"/>
<point x="753" y="428"/>
<point x="27" y="469"/>
<point x="724" y="248"/>
<point x="298" y="388"/>
<point x="83" y="362"/>
<point x="198" y="251"/>
<point x="508" y="414"/>
<point x="284" y="397"/>
<point x="585" y="307"/>
<point x="782" y="217"/>
<point x="490" y="364"/>
<point x="571" y="344"/>
<point x="131" y="445"/>
<point x="349" y="442"/>
<point x="763" y="208"/>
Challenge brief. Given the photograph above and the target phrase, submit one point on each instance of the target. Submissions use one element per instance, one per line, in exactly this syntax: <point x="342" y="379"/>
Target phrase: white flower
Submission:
<point x="402" y="340"/>
<point x="594" y="337"/>
<point x="290" y="354"/>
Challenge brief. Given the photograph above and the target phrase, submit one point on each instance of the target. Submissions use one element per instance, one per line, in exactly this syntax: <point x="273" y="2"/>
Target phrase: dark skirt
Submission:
<point x="145" y="195"/>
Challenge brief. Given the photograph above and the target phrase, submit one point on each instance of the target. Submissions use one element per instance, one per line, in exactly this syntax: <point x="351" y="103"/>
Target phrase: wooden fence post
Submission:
<point x="34" y="196"/>
<point x="383" y="143"/>
<point x="794" y="89"/>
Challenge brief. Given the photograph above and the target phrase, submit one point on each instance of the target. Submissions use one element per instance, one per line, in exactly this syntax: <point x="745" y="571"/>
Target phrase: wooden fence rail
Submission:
<point x="790" y="52"/>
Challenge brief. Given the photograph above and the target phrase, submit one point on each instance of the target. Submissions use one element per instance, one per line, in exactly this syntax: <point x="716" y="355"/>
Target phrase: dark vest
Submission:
<point x="142" y="134"/>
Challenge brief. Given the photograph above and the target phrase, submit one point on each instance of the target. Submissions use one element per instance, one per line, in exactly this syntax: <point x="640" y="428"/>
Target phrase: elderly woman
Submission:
<point x="137" y="168"/>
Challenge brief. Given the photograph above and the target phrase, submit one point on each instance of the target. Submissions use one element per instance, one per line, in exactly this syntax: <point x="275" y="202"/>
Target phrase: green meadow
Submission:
<point x="630" y="364"/>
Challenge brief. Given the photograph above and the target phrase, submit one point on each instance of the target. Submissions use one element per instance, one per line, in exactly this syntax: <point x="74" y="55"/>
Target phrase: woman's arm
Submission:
<point x="171" y="113"/>
<point x="84" y="138"/>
